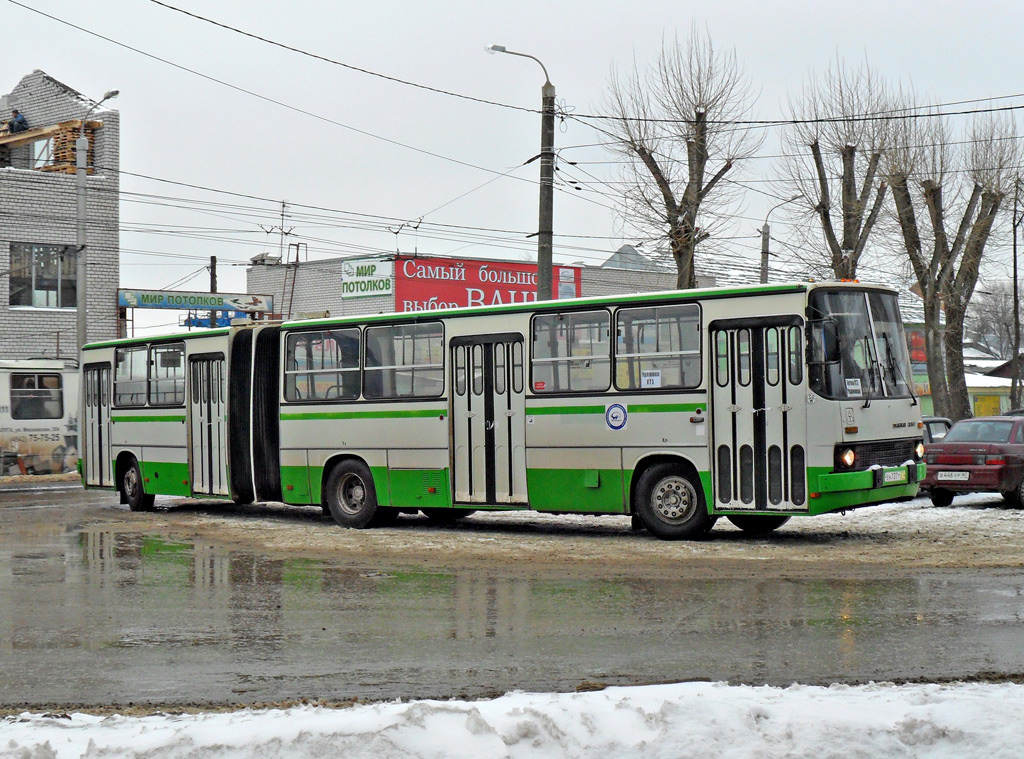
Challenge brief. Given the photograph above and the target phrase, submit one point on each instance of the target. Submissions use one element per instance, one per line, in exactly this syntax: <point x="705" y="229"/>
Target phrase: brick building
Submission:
<point x="38" y="220"/>
<point x="314" y="287"/>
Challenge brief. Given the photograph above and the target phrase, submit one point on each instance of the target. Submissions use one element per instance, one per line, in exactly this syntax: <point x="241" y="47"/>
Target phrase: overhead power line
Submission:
<point x="265" y="98"/>
<point x="891" y="114"/>
<point x="333" y="62"/>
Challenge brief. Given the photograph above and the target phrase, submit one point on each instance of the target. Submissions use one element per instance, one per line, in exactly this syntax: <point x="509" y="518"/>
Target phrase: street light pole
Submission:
<point x="545" y="226"/>
<point x="765" y="232"/>
<point x="81" y="267"/>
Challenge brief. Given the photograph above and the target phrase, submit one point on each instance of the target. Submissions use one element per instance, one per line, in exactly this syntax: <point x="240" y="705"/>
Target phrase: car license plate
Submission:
<point x="898" y="476"/>
<point x="953" y="476"/>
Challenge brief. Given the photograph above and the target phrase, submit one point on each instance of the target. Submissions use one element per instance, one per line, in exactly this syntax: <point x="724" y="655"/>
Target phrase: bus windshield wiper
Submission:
<point x="895" y="370"/>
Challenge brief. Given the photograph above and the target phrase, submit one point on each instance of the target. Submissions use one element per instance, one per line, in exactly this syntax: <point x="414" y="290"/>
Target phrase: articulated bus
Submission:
<point x="757" y="404"/>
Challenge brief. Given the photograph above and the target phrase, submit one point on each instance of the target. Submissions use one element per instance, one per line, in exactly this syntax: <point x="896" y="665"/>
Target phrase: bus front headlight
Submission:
<point x="919" y="450"/>
<point x="848" y="457"/>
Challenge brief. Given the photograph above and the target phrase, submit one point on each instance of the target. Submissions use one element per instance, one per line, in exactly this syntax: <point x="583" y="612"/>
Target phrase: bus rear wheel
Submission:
<point x="351" y="495"/>
<point x="670" y="505"/>
<point x="757" y="524"/>
<point x="134" y="490"/>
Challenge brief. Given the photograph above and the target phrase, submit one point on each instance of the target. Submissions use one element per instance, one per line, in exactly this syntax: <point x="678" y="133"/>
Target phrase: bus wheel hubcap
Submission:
<point x="131" y="483"/>
<point x="352" y="494"/>
<point x="674" y="499"/>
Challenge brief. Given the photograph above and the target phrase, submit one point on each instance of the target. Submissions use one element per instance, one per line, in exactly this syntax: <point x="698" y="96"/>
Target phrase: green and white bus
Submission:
<point x="757" y="404"/>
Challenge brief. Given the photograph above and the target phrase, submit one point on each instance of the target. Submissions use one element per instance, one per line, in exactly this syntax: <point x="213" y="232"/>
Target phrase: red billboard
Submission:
<point x="431" y="284"/>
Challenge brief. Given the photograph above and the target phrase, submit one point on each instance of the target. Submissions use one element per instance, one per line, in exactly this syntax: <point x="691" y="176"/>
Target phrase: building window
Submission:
<point x="42" y="153"/>
<point x="42" y="276"/>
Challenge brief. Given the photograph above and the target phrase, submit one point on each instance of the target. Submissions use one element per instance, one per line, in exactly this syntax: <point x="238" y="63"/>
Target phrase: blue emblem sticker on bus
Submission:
<point x="615" y="416"/>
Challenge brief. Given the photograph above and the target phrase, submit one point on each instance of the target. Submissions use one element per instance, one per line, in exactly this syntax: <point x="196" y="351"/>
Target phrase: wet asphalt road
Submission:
<point x="94" y="611"/>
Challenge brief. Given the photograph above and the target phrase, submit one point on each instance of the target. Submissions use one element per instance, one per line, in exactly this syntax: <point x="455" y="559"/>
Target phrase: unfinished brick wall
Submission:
<point x="41" y="208"/>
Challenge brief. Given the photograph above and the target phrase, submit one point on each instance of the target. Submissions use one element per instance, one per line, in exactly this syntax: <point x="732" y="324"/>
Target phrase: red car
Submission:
<point x="984" y="455"/>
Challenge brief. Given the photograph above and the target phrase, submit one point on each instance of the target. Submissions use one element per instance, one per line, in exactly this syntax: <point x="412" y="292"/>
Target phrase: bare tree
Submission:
<point x="947" y="199"/>
<point x="834" y="151"/>
<point x="990" y="319"/>
<point x="674" y="124"/>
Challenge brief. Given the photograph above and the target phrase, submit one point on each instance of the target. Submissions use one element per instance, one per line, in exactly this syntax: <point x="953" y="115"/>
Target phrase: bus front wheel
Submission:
<point x="671" y="505"/>
<point x="351" y="495"/>
<point x="134" y="490"/>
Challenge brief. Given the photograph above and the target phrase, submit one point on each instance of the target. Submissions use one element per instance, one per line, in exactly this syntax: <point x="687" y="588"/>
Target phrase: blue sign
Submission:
<point x="615" y="416"/>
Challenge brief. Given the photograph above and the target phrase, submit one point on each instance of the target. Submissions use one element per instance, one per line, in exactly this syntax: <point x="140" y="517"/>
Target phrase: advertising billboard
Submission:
<point x="197" y="300"/>
<point x="362" y="278"/>
<point x="431" y="284"/>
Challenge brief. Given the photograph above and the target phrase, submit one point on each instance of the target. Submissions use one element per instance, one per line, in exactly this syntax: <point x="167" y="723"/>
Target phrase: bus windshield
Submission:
<point x="857" y="345"/>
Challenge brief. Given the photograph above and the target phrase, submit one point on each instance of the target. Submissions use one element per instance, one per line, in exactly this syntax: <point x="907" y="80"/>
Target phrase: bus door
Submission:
<point x="488" y="417"/>
<point x="758" y="416"/>
<point x="95" y="424"/>
<point x="207" y="425"/>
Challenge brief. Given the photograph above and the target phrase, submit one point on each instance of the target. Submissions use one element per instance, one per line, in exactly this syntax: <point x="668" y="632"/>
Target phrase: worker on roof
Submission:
<point x="17" y="122"/>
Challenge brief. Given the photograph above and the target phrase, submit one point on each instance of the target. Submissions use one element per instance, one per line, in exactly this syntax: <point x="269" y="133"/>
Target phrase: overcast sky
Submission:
<point x="371" y="154"/>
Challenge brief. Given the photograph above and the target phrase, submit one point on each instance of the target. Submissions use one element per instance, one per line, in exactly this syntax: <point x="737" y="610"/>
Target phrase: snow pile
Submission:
<point x="684" y="720"/>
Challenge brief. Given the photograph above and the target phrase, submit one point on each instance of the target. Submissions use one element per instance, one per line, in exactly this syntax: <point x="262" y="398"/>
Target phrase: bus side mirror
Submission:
<point x="823" y="342"/>
<point x="830" y="339"/>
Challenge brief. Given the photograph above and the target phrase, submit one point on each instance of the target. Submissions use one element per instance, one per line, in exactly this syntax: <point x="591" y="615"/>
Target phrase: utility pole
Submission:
<point x="1015" y="361"/>
<point x="766" y="235"/>
<point x="545" y="232"/>
<point x="545" y="226"/>
<point x="213" y="288"/>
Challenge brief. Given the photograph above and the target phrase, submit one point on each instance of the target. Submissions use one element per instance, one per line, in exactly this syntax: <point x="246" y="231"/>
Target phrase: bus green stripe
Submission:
<point x="542" y="410"/>
<point x="655" y="408"/>
<point x="173" y="418"/>
<point x="632" y="408"/>
<point x="389" y="414"/>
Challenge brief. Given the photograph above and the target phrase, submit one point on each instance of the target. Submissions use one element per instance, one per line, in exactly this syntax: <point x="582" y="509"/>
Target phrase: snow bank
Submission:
<point x="684" y="720"/>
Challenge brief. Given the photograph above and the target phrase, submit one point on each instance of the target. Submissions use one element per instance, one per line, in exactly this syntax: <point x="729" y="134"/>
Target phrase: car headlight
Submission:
<point x="847" y="457"/>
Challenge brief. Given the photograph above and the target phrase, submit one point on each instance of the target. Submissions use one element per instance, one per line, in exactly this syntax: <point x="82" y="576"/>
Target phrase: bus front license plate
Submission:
<point x="953" y="476"/>
<point x="900" y="476"/>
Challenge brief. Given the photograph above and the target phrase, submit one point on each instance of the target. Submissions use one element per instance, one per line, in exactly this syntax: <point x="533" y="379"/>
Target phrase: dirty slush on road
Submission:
<point x="979" y="532"/>
<point x="167" y="601"/>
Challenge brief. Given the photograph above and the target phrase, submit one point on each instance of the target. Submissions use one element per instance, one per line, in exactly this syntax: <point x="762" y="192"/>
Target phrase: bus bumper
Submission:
<point x="846" y="490"/>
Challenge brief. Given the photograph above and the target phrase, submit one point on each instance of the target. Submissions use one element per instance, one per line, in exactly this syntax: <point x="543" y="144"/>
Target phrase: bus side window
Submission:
<point x="130" y="376"/>
<point x="167" y="375"/>
<point x="404" y="361"/>
<point x="794" y="343"/>
<point x="571" y="352"/>
<point x="36" y="396"/>
<point x="322" y="366"/>
<point x="658" y="347"/>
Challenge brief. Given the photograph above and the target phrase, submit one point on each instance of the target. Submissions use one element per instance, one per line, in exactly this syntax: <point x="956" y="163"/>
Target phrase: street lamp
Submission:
<point x="547" y="176"/>
<point x="765" y="230"/>
<point x="81" y="269"/>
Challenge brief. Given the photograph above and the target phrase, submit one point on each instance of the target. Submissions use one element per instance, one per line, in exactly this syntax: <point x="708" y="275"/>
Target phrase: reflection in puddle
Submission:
<point x="143" y="617"/>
